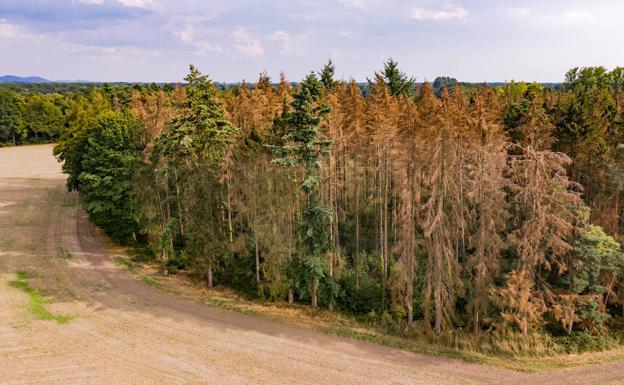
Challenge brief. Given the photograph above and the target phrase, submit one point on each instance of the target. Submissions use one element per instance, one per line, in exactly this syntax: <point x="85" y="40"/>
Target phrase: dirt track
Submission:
<point x="124" y="331"/>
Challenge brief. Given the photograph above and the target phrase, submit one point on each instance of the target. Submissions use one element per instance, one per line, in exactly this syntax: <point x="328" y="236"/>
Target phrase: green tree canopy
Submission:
<point x="10" y="117"/>
<point x="111" y="148"/>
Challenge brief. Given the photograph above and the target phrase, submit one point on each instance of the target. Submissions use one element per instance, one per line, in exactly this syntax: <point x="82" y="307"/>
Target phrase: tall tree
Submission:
<point x="305" y="145"/>
<point x="396" y="80"/>
<point x="194" y="148"/>
<point x="442" y="217"/>
<point x="10" y="117"/>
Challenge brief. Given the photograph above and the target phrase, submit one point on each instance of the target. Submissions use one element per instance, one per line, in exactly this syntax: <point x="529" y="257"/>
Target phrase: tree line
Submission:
<point x="487" y="209"/>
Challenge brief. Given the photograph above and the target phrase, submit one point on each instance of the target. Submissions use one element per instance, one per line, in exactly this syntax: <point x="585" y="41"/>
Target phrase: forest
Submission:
<point x="490" y="210"/>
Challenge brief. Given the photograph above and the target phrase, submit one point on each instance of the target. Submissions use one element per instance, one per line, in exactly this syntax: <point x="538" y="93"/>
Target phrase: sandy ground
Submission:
<point x="125" y="332"/>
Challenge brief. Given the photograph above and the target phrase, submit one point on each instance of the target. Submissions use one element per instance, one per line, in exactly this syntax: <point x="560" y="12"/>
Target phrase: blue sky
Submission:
<point x="155" y="40"/>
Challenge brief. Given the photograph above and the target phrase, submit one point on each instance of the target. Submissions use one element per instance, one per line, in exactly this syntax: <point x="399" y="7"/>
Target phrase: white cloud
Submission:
<point x="14" y="32"/>
<point x="439" y="14"/>
<point x="291" y="44"/>
<point x="188" y="36"/>
<point x="8" y="30"/>
<point x="366" y="5"/>
<point x="95" y="2"/>
<point x="576" y="16"/>
<point x="525" y="14"/>
<point x="135" y="3"/>
<point x="285" y="39"/>
<point x="246" y="44"/>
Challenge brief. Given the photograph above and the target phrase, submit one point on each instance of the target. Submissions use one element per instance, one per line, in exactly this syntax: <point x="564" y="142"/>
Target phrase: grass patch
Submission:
<point x="153" y="282"/>
<point x="70" y="201"/>
<point x="415" y="346"/>
<point x="127" y="264"/>
<point x="62" y="253"/>
<point x="37" y="303"/>
<point x="23" y="222"/>
<point x="7" y="243"/>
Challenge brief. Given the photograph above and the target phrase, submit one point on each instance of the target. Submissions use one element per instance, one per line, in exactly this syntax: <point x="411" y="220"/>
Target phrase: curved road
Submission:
<point x="123" y="331"/>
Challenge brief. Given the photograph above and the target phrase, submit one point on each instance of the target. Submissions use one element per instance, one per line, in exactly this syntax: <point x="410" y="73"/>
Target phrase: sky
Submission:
<point x="232" y="40"/>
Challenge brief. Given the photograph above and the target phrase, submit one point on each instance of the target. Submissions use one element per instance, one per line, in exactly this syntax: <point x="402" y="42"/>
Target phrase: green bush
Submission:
<point x="242" y="276"/>
<point x="581" y="342"/>
<point x="360" y="300"/>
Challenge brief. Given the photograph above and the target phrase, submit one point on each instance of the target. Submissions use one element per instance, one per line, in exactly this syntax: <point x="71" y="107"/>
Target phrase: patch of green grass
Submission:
<point x="239" y="308"/>
<point x="127" y="264"/>
<point x="23" y="222"/>
<point x="62" y="253"/>
<point x="400" y="343"/>
<point x="153" y="282"/>
<point x="24" y="275"/>
<point x="37" y="303"/>
<point x="7" y="243"/>
<point x="70" y="201"/>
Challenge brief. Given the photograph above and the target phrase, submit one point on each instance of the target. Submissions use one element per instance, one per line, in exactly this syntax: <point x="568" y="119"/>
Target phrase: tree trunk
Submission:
<point x="209" y="276"/>
<point x="380" y="229"/>
<point x="385" y="220"/>
<point x="475" y="320"/>
<point x="410" y="242"/>
<point x="410" y="290"/>
<point x="179" y="202"/>
<point x="229" y="211"/>
<point x="357" y="229"/>
<point x="313" y="293"/>
<point x="257" y="260"/>
<point x="291" y="296"/>
<point x="438" y="297"/>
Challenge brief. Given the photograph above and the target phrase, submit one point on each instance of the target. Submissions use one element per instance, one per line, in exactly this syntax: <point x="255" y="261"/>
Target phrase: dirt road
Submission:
<point x="123" y="331"/>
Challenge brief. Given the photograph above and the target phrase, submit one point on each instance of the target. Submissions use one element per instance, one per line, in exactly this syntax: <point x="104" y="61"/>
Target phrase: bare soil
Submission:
<point x="123" y="331"/>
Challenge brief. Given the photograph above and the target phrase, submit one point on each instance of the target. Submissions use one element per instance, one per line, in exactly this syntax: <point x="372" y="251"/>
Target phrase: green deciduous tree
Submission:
<point x="10" y="117"/>
<point x="111" y="149"/>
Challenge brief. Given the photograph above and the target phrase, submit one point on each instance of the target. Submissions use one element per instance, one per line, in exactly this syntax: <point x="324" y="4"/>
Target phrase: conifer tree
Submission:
<point x="194" y="147"/>
<point x="305" y="145"/>
<point x="486" y="199"/>
<point x="382" y="118"/>
<point x="406" y="168"/>
<point x="397" y="81"/>
<point x="441" y="214"/>
<point x="326" y="76"/>
<point x="546" y="210"/>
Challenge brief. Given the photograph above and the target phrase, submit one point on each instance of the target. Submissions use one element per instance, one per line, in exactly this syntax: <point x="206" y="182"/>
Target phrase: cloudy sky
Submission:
<point x="155" y="40"/>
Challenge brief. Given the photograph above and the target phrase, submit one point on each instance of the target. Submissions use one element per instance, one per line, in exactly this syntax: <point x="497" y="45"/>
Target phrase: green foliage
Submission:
<point x="327" y="76"/>
<point x="600" y="254"/>
<point x="602" y="263"/>
<point x="10" y="117"/>
<point x="362" y="299"/>
<point x="397" y="81"/>
<point x="82" y="113"/>
<point x="305" y="145"/>
<point x="581" y="342"/>
<point x="187" y="161"/>
<point x="201" y="131"/>
<point x="111" y="148"/>
<point x="442" y="82"/>
<point x="43" y="118"/>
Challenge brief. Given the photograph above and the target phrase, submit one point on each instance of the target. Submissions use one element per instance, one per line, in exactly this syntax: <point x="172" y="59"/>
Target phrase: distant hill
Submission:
<point x="19" y="79"/>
